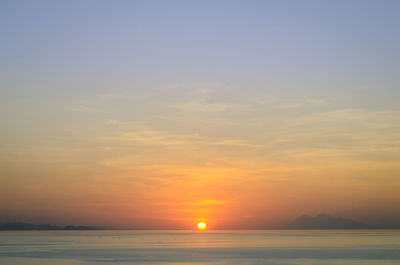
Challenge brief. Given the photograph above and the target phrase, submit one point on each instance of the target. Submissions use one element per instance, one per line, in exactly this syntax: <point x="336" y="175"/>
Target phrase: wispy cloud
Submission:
<point x="209" y="202"/>
<point x="97" y="104"/>
<point x="197" y="203"/>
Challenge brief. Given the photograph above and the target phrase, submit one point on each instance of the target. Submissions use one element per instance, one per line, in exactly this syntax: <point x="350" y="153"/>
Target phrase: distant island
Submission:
<point x="324" y="221"/>
<point x="27" y="226"/>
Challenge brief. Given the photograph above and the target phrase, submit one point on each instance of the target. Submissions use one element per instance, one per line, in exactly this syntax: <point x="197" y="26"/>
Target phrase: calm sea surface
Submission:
<point x="182" y="247"/>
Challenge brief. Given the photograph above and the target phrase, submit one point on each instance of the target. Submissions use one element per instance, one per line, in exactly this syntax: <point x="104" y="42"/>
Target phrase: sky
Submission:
<point x="160" y="114"/>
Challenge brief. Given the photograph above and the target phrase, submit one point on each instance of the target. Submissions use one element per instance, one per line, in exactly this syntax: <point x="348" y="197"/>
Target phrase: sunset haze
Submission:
<point x="164" y="114"/>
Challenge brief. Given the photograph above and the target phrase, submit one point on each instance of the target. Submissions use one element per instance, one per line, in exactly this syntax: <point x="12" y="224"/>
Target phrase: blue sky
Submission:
<point x="145" y="98"/>
<point x="294" y="46"/>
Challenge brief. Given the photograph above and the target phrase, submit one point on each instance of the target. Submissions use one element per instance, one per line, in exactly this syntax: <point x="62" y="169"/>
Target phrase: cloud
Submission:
<point x="290" y="103"/>
<point x="197" y="203"/>
<point x="382" y="117"/>
<point x="154" y="137"/>
<point x="233" y="142"/>
<point x="208" y="202"/>
<point x="341" y="134"/>
<point x="97" y="104"/>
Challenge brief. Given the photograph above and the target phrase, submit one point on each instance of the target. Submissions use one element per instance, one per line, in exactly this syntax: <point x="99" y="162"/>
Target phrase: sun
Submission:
<point x="201" y="225"/>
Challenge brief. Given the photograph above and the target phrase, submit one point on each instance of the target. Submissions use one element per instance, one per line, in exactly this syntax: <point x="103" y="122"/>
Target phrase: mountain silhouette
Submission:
<point x="324" y="221"/>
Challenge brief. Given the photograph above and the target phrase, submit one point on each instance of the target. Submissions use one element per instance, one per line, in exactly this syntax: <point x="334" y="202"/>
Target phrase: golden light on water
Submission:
<point x="201" y="225"/>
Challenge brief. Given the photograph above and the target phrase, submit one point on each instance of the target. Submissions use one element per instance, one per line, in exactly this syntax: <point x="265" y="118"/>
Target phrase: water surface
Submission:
<point x="187" y="247"/>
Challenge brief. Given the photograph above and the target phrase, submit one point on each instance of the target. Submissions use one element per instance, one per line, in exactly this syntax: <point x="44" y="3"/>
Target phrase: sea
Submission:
<point x="330" y="247"/>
